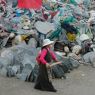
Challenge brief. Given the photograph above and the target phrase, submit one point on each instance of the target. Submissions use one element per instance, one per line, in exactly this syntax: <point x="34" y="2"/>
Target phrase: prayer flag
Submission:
<point x="30" y="4"/>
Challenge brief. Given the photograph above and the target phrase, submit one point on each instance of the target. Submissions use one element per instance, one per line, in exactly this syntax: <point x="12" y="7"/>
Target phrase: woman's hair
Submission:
<point x="43" y="47"/>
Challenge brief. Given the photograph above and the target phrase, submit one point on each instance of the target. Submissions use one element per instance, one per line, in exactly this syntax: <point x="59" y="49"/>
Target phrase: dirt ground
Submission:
<point x="80" y="81"/>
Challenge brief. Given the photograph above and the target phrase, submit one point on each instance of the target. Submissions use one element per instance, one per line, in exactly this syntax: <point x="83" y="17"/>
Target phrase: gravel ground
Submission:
<point x="80" y="81"/>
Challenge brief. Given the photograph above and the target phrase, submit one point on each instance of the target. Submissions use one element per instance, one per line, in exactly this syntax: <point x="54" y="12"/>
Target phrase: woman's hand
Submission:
<point x="47" y="65"/>
<point x="60" y="62"/>
<point x="56" y="63"/>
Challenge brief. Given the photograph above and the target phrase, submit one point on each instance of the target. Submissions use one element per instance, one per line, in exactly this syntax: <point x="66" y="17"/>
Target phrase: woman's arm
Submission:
<point x="42" y="56"/>
<point x="53" y="56"/>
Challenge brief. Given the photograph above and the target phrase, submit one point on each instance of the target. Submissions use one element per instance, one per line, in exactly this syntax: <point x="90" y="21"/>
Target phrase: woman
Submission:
<point x="45" y="57"/>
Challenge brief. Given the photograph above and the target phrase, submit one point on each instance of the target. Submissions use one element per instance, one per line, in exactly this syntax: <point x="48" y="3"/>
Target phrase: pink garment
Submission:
<point x="43" y="54"/>
<point x="28" y="4"/>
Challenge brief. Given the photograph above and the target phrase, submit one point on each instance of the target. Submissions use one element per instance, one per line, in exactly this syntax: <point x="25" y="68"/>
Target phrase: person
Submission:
<point x="46" y="55"/>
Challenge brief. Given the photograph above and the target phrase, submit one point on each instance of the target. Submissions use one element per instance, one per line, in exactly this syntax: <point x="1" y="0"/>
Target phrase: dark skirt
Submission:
<point x="42" y="82"/>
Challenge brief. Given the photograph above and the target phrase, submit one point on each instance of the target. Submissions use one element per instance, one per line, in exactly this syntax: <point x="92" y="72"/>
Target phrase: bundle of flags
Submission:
<point x="30" y="4"/>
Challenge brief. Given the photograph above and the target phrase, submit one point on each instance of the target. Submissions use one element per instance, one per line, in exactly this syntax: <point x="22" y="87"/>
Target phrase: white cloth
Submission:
<point x="92" y="13"/>
<point x="89" y="57"/>
<point x="44" y="27"/>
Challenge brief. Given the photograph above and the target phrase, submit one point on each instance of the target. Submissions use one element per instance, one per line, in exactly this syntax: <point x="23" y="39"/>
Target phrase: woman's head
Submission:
<point x="47" y="43"/>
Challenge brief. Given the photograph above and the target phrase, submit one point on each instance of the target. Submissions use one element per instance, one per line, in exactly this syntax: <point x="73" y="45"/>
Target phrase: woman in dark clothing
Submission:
<point x="45" y="57"/>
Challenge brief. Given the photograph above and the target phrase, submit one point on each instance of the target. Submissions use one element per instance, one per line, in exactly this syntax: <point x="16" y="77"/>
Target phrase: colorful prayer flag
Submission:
<point x="30" y="4"/>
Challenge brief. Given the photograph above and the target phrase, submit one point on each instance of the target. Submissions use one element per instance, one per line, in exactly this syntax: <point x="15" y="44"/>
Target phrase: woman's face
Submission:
<point x="50" y="46"/>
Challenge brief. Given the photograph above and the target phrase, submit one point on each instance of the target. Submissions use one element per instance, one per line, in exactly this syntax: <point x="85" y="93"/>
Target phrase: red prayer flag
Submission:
<point x="33" y="4"/>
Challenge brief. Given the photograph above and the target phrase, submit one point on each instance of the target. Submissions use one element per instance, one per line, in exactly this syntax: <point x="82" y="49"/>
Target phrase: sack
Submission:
<point x="57" y="71"/>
